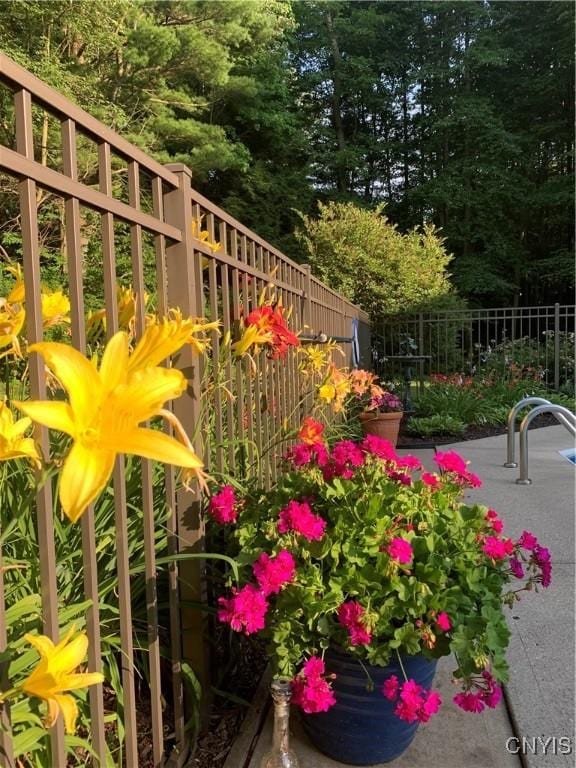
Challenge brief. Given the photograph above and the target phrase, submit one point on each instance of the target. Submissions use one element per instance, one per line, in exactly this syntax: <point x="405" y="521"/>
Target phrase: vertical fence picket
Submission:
<point x="31" y="268"/>
<point x="76" y="292"/>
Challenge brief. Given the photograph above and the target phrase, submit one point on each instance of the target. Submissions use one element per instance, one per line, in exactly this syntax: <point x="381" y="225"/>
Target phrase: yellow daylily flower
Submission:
<point x="12" y="318"/>
<point x="335" y="388"/>
<point x="55" y="308"/>
<point x="16" y="295"/>
<point x="106" y="407"/>
<point x="13" y="444"/>
<point x="327" y="392"/>
<point x="253" y="336"/>
<point x="204" y="236"/>
<point x="55" y="674"/>
<point x="163" y="337"/>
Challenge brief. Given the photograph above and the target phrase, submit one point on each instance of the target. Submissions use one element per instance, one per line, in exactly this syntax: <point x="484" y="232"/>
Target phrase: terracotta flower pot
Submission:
<point x="386" y="425"/>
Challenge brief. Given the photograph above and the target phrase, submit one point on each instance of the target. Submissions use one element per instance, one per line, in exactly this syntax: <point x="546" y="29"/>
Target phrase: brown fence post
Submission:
<point x="183" y="293"/>
<point x="306" y="298"/>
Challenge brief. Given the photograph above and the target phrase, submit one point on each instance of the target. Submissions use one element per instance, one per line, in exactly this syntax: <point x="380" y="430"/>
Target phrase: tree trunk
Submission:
<point x="341" y="174"/>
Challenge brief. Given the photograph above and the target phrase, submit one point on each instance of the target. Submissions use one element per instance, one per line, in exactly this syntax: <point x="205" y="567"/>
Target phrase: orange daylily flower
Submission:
<point x="311" y="432"/>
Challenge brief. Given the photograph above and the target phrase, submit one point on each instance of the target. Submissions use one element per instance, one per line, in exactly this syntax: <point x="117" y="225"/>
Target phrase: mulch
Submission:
<point x="473" y="432"/>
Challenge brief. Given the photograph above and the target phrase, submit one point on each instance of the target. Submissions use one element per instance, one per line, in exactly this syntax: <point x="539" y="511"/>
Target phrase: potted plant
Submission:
<point x="361" y="570"/>
<point x="380" y="410"/>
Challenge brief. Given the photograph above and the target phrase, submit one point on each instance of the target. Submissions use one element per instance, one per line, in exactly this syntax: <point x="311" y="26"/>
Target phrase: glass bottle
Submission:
<point x="280" y="756"/>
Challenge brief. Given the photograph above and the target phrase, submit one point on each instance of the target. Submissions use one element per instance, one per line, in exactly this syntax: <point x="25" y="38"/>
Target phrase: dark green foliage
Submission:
<point x="440" y="424"/>
<point x="457" y="114"/>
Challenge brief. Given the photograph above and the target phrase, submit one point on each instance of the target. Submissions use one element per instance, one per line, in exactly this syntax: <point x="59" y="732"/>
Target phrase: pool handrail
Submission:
<point x="510" y="462"/>
<point x="563" y="415"/>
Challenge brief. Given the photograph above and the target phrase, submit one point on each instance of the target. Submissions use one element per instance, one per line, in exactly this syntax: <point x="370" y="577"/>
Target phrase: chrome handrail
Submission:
<point x="563" y="415"/>
<point x="510" y="457"/>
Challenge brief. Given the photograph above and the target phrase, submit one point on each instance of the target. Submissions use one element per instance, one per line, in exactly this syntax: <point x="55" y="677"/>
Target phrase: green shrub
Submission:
<point x="426" y="426"/>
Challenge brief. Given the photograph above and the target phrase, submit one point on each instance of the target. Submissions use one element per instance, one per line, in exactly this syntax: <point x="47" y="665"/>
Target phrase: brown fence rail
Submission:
<point x="124" y="218"/>
<point x="539" y="340"/>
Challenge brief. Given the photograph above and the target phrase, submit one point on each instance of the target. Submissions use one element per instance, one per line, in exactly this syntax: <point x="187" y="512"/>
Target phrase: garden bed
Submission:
<point x="472" y="432"/>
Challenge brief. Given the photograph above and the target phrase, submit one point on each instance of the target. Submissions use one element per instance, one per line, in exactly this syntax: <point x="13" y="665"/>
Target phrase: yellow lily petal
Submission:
<point x="85" y="475"/>
<point x="18" y="428"/>
<point x="52" y="713"/>
<point x="76" y="374"/>
<point x="43" y="644"/>
<point x="69" y="709"/>
<point x="83" y="680"/>
<point x="114" y="361"/>
<point x="159" y="341"/>
<point x="157" y="446"/>
<point x="53" y="414"/>
<point x="68" y="654"/>
<point x="148" y="390"/>
<point x="26" y="449"/>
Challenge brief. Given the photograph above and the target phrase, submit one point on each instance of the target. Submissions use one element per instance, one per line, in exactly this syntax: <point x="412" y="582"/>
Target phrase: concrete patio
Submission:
<point x="539" y="702"/>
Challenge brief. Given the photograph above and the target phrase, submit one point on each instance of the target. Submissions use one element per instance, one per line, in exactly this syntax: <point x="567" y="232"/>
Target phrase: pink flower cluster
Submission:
<point x="302" y="454"/>
<point x="494" y="521"/>
<point x="413" y="702"/>
<point x="400" y="550"/>
<point x="297" y="517"/>
<point x="378" y="446"/>
<point x="431" y="480"/>
<point x="386" y="402"/>
<point x="487" y="694"/>
<point x="540" y="556"/>
<point x="273" y="573"/>
<point x="443" y="622"/>
<point x="345" y="459"/>
<point x="351" y="615"/>
<point x="497" y="548"/>
<point x="453" y="464"/>
<point x="222" y="505"/>
<point x="245" y="610"/>
<point x="310" y="689"/>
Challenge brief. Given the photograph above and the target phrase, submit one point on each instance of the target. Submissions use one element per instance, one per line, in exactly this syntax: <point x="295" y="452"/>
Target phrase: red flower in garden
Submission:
<point x="311" y="432"/>
<point x="270" y="319"/>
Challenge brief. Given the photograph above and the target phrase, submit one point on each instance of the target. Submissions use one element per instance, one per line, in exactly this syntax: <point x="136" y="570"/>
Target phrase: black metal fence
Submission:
<point x="506" y="341"/>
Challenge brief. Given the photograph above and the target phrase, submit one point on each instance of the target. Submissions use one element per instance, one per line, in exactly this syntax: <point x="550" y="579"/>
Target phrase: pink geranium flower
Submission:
<point x="245" y="610"/>
<point x="297" y="517"/>
<point x="409" y="462"/>
<point x="494" y="521"/>
<point x="310" y="690"/>
<point x="414" y="703"/>
<point x="433" y="481"/>
<point x="300" y="455"/>
<point x="222" y="505"/>
<point x="469" y="702"/>
<point x="272" y="573"/>
<point x="378" y="446"/>
<point x="351" y="615"/>
<point x="527" y="540"/>
<point x="450" y="461"/>
<point x="497" y="548"/>
<point x="443" y="622"/>
<point x="400" y="550"/>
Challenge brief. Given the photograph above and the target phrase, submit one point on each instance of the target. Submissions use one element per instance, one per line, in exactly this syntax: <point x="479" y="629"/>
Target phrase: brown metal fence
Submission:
<point x="151" y="227"/>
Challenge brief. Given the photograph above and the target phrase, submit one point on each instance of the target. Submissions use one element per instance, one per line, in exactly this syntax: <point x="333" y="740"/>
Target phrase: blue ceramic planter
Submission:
<point x="361" y="728"/>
